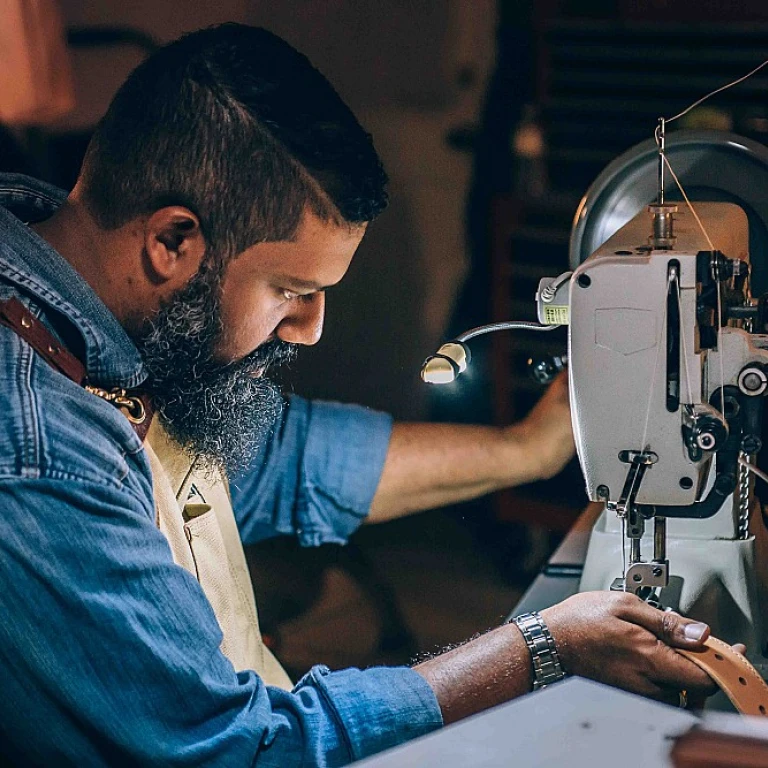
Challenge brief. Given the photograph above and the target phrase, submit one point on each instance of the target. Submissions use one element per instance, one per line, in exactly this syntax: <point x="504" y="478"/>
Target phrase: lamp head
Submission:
<point x="446" y="364"/>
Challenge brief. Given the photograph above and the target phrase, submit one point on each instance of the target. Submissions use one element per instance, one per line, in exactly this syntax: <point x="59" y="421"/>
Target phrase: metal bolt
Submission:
<point x="657" y="572"/>
<point x="637" y="577"/>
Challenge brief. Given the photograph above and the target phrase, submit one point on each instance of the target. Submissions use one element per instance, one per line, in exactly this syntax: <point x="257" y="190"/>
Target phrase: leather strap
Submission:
<point x="738" y="679"/>
<point x="14" y="315"/>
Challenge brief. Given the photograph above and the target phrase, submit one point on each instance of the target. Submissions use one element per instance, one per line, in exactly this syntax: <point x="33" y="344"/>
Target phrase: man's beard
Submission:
<point x="221" y="414"/>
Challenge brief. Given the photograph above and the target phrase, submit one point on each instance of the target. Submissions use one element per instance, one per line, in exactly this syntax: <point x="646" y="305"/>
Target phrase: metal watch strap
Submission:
<point x="546" y="663"/>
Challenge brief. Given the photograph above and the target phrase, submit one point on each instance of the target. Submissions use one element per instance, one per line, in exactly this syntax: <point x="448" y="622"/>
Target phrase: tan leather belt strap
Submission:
<point x="739" y="680"/>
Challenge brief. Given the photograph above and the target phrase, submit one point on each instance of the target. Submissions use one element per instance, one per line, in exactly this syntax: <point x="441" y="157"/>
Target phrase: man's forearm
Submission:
<point x="430" y="465"/>
<point x="612" y="637"/>
<point x="480" y="674"/>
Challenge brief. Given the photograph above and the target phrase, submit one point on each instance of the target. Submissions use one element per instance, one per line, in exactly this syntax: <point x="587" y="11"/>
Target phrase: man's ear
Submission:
<point x="174" y="245"/>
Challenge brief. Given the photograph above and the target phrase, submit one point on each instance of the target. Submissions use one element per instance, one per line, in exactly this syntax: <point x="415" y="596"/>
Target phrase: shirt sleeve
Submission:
<point x="109" y="654"/>
<point x="316" y="476"/>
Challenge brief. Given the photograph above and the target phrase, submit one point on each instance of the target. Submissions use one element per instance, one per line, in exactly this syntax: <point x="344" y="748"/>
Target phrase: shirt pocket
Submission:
<point x="240" y="637"/>
<point x="209" y="555"/>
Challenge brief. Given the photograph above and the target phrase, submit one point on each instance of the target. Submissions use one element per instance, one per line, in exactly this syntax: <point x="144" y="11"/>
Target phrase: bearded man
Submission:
<point x="225" y="189"/>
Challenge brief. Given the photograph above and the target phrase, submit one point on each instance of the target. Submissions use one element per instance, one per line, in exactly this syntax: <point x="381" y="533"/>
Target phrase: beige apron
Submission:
<point x="195" y="514"/>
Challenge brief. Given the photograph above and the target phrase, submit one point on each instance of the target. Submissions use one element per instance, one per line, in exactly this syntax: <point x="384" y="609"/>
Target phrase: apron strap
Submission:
<point x="135" y="406"/>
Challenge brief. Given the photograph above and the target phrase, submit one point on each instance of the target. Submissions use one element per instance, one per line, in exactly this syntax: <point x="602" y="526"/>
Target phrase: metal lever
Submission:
<point x="641" y="578"/>
<point x="639" y="462"/>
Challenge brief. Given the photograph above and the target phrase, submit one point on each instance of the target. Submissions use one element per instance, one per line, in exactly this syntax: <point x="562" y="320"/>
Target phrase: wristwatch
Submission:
<point x="546" y="663"/>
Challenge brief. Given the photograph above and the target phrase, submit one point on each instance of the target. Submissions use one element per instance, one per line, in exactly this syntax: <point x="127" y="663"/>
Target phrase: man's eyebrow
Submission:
<point x="304" y="285"/>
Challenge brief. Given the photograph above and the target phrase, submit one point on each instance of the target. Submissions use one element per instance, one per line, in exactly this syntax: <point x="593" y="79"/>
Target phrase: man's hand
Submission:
<point x="547" y="431"/>
<point x="616" y="638"/>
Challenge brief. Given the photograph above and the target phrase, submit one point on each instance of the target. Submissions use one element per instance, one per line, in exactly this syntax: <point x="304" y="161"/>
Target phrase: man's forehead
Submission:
<point x="318" y="256"/>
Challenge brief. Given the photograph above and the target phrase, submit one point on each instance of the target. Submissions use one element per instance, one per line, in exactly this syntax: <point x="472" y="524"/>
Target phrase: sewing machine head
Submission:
<point x="668" y="373"/>
<point x="666" y="376"/>
<point x="647" y="354"/>
<point x="667" y="352"/>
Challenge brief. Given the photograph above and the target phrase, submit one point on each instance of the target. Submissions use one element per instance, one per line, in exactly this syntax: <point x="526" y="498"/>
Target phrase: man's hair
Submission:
<point x="236" y="125"/>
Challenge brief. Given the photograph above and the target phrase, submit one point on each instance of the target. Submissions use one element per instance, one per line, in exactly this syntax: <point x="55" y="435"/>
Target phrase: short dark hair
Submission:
<point x="239" y="127"/>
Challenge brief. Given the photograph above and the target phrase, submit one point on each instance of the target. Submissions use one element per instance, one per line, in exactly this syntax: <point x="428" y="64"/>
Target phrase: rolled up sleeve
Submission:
<point x="379" y="708"/>
<point x="316" y="476"/>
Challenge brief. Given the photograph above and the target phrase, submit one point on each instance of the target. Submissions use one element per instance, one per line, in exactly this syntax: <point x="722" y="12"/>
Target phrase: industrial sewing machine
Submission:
<point x="668" y="372"/>
<point x="668" y="362"/>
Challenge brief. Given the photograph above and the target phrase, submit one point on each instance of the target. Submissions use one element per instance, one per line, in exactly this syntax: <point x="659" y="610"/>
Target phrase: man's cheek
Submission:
<point x="236" y="343"/>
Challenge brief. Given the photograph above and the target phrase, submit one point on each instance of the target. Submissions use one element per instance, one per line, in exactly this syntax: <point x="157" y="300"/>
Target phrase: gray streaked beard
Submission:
<point x="221" y="414"/>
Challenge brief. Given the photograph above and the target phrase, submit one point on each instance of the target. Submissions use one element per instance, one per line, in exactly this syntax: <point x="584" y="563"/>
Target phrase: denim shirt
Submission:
<point x="109" y="652"/>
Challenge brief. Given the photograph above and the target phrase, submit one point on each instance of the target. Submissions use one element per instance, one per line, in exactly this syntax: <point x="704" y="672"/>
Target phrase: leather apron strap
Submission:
<point x="14" y="315"/>
<point x="136" y="406"/>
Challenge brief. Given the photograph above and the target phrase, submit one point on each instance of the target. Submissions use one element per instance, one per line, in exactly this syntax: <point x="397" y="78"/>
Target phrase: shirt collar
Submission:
<point x="29" y="262"/>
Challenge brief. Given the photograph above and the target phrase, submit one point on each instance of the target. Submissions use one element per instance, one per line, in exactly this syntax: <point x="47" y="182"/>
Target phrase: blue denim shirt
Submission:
<point x="109" y="652"/>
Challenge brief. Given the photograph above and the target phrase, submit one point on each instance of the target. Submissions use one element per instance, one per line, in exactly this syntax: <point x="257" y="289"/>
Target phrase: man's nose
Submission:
<point x="304" y="322"/>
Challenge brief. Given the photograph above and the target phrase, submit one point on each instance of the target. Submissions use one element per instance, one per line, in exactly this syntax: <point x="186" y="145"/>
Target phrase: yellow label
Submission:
<point x="556" y="315"/>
